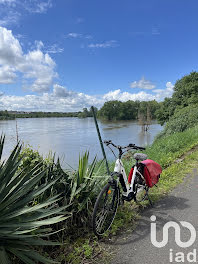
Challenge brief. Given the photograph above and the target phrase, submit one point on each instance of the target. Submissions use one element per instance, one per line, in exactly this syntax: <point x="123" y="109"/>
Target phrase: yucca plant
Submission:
<point x="85" y="183"/>
<point x="24" y="224"/>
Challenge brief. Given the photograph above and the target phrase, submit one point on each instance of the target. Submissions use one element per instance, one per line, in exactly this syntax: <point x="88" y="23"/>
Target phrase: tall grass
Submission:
<point x="166" y="149"/>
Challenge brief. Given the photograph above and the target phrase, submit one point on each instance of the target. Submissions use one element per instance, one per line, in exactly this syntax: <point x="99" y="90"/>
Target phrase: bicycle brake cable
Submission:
<point x="112" y="151"/>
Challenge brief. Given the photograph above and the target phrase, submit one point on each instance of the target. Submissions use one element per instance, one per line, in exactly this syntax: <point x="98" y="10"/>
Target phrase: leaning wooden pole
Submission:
<point x="100" y="139"/>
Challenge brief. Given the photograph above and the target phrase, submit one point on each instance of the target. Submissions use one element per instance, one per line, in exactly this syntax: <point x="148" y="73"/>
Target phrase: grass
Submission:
<point x="165" y="150"/>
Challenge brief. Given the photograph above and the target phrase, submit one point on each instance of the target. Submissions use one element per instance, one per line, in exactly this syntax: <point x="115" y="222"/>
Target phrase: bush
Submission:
<point x="78" y="188"/>
<point x="182" y="119"/>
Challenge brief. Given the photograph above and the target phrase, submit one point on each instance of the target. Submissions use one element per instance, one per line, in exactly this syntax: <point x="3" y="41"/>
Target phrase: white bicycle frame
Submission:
<point x="119" y="168"/>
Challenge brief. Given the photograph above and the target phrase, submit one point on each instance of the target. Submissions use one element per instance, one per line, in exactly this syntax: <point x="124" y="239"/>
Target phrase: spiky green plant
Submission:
<point x="85" y="184"/>
<point x="24" y="224"/>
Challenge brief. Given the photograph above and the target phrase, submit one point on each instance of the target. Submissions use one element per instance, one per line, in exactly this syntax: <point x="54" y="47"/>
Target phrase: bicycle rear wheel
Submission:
<point x="142" y="193"/>
<point x="105" y="209"/>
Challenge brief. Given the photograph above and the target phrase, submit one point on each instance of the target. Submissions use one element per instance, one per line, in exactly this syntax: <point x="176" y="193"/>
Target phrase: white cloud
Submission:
<point x="11" y="17"/>
<point x="73" y="35"/>
<point x="106" y="44"/>
<point x="12" y="10"/>
<point x="61" y="91"/>
<point x="60" y="100"/>
<point x="143" y="84"/>
<point x="169" y="86"/>
<point x="162" y="93"/>
<point x="54" y="49"/>
<point x="10" y="48"/>
<point x="40" y="7"/>
<point x="125" y="96"/>
<point x="7" y="75"/>
<point x="7" y="1"/>
<point x="39" y="44"/>
<point x="37" y="68"/>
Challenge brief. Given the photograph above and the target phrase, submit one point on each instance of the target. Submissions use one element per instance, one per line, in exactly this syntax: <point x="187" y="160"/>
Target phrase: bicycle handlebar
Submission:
<point x="109" y="142"/>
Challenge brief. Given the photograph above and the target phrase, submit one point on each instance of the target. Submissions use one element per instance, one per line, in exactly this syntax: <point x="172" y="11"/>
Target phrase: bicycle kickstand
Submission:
<point x="151" y="203"/>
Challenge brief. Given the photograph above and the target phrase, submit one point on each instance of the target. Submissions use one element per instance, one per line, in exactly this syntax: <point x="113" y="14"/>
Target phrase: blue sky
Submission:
<point x="68" y="54"/>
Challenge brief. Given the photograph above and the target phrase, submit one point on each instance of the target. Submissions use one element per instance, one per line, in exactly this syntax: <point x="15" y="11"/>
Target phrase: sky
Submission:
<point x="64" y="55"/>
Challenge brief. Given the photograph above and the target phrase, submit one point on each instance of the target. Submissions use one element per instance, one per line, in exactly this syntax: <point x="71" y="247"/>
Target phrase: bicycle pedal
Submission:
<point x="129" y="197"/>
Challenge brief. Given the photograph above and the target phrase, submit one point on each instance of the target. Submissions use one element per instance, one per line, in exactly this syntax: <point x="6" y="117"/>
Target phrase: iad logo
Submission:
<point x="179" y="256"/>
<point x="177" y="228"/>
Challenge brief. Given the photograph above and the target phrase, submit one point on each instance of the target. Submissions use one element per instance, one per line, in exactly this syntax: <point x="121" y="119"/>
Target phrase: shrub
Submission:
<point x="182" y="119"/>
<point x="78" y="188"/>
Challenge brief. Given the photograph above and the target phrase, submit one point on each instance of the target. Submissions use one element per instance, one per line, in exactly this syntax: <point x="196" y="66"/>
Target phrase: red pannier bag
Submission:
<point x="130" y="175"/>
<point x="151" y="172"/>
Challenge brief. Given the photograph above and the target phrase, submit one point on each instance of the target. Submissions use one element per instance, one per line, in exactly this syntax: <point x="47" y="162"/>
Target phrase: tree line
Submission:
<point x="21" y="114"/>
<point x="130" y="110"/>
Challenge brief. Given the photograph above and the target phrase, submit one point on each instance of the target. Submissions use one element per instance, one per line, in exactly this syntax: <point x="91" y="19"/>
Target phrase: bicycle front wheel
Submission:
<point x="105" y="209"/>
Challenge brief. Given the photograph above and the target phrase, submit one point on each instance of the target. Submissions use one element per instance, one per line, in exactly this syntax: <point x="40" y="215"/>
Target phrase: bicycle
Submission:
<point x="107" y="202"/>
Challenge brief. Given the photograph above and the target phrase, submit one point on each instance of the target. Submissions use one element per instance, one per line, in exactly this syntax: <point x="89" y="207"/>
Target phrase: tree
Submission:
<point x="185" y="93"/>
<point x="186" y="90"/>
<point x="165" y="110"/>
<point x="111" y="110"/>
<point x="84" y="114"/>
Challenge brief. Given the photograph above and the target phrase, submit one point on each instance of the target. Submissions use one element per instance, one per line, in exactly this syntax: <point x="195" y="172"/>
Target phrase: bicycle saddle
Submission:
<point x="140" y="156"/>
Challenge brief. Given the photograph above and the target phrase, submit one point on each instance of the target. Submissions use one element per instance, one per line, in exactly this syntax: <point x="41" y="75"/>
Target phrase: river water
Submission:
<point x="69" y="137"/>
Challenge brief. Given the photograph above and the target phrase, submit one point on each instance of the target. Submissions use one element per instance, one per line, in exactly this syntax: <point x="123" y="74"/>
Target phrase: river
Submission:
<point x="68" y="137"/>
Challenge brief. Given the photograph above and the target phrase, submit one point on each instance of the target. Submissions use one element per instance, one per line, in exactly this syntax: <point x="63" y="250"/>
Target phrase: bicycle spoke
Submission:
<point x="100" y="222"/>
<point x="105" y="209"/>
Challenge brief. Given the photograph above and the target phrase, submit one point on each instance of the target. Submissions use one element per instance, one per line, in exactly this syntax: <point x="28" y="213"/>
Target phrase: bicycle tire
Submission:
<point x="105" y="209"/>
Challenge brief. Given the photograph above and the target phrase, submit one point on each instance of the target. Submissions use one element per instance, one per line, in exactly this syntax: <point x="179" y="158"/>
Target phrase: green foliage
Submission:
<point x="29" y="158"/>
<point x="24" y="224"/>
<point x="111" y="110"/>
<point x="4" y="115"/>
<point x="166" y="149"/>
<point x="85" y="184"/>
<point x="186" y="90"/>
<point x="182" y="119"/>
<point x="78" y="188"/>
<point x="83" y="250"/>
<point x="185" y="94"/>
<point x="117" y="110"/>
<point x="15" y="114"/>
<point x="87" y="113"/>
<point x="43" y="114"/>
<point x="165" y="110"/>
